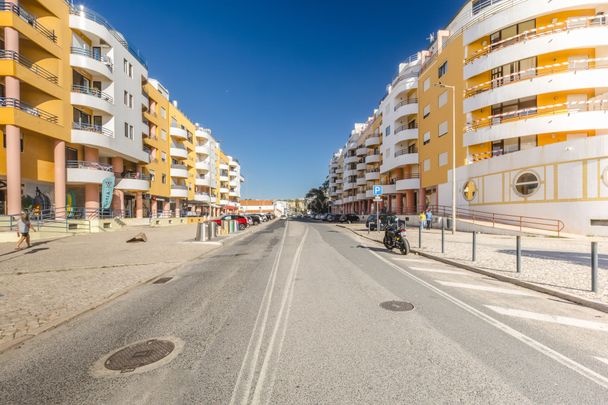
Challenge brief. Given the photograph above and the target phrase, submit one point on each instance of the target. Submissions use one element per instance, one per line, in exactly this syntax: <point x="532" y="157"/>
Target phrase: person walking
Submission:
<point x="422" y="219"/>
<point x="429" y="218"/>
<point x="24" y="226"/>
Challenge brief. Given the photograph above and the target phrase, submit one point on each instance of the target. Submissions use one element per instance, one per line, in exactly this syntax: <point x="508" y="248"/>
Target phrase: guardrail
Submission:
<point x="36" y="112"/>
<point x="402" y="152"/>
<point x="92" y="128"/>
<point x="405" y="102"/>
<point x="29" y="18"/>
<point x="91" y="91"/>
<point x="23" y="61"/>
<point x="518" y="221"/>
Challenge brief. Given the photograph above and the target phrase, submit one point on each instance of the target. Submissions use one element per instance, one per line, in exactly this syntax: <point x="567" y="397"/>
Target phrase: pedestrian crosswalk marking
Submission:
<point x="429" y="270"/>
<point x="562" y="320"/>
<point x="484" y="288"/>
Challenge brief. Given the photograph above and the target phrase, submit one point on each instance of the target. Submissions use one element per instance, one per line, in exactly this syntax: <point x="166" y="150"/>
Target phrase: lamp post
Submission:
<point x="453" y="89"/>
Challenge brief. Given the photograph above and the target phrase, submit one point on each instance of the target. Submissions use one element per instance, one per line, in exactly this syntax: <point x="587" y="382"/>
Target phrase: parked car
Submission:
<point x="329" y="218"/>
<point x="255" y="220"/>
<point x="241" y="220"/>
<point x="385" y="219"/>
<point x="348" y="218"/>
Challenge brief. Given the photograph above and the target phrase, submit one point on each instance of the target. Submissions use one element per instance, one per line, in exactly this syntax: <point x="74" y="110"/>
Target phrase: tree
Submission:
<point x="318" y="202"/>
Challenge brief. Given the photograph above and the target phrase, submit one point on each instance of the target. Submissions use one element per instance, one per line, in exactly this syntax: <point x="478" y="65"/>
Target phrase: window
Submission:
<point x="152" y="175"/>
<point x="470" y="190"/>
<point x="131" y="131"/>
<point x="125" y="66"/>
<point x="427" y="84"/>
<point x="605" y="176"/>
<point x="526" y="184"/>
<point x="427" y="165"/>
<point x="126" y="98"/>
<point x="510" y="32"/>
<point x="443" y="159"/>
<point x="130" y="70"/>
<point x="130" y="100"/>
<point x="426" y="138"/>
<point x="443" y="128"/>
<point x="20" y="143"/>
<point x="515" y="108"/>
<point x="427" y="111"/>
<point x="387" y="131"/>
<point x="443" y="99"/>
<point x="163" y="156"/>
<point x="126" y="130"/>
<point x="163" y="179"/>
<point x="443" y="69"/>
<point x="163" y="112"/>
<point x="163" y="134"/>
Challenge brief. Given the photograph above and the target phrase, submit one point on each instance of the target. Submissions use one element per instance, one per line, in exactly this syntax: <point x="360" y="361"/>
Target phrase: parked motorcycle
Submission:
<point x="395" y="236"/>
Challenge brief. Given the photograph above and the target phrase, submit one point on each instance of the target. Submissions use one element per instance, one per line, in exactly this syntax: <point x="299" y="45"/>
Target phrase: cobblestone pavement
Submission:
<point x="60" y="278"/>
<point x="559" y="263"/>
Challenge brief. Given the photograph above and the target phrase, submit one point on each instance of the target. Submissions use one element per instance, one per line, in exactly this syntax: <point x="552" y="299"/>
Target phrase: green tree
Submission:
<point x="318" y="202"/>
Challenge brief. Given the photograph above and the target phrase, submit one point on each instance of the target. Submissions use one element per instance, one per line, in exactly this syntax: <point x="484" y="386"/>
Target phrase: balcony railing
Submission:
<point x="405" y="102"/>
<point x="539" y="71"/>
<point x="405" y="128"/>
<point x="180" y="167"/>
<point x="98" y="129"/>
<point x="81" y="164"/>
<point x="553" y="109"/>
<point x="36" y="112"/>
<point x="562" y="26"/>
<point x="178" y="187"/>
<point x="28" y="18"/>
<point x="135" y="176"/>
<point x="402" y="152"/>
<point x="90" y="54"/>
<point x="92" y="92"/>
<point x="93" y="16"/>
<point x="16" y="56"/>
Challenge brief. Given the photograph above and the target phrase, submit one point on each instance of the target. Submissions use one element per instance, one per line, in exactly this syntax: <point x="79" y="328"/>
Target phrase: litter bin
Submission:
<point x="202" y="232"/>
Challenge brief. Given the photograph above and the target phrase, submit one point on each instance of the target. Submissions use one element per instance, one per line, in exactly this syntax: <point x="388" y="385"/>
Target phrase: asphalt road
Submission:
<point x="291" y="314"/>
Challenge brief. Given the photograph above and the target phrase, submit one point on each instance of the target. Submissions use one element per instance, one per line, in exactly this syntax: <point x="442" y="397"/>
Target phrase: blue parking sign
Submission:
<point x="377" y="190"/>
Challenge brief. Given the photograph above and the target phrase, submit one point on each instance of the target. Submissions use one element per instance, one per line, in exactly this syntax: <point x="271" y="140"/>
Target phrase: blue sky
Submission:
<point x="280" y="83"/>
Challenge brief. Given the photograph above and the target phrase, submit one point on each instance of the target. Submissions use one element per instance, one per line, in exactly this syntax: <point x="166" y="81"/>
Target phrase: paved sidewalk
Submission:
<point x="557" y="263"/>
<point x="58" y="279"/>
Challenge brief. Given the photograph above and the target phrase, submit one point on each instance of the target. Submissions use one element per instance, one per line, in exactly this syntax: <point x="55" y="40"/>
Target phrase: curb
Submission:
<point x="13" y="344"/>
<point x="599" y="306"/>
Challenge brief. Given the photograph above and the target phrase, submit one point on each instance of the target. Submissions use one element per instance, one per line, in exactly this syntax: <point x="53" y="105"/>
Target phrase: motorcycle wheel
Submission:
<point x="387" y="245"/>
<point x="405" y="247"/>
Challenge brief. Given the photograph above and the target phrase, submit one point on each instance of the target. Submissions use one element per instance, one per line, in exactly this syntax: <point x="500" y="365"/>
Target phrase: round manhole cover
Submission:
<point x="397" y="306"/>
<point x="139" y="355"/>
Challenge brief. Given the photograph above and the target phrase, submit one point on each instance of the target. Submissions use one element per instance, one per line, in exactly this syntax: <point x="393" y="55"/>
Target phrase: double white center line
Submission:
<point x="252" y="354"/>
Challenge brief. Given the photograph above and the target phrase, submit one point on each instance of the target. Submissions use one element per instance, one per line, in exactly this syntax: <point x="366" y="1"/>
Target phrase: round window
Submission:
<point x="526" y="184"/>
<point x="470" y="190"/>
<point x="605" y="176"/>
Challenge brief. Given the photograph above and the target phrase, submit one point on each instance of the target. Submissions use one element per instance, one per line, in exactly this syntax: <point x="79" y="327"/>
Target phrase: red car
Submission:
<point x="242" y="221"/>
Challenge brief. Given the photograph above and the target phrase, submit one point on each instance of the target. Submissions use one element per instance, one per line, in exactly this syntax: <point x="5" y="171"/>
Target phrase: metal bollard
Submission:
<point x="474" y="253"/>
<point x="442" y="235"/>
<point x="201" y="233"/>
<point x="212" y="229"/>
<point x="594" y="268"/>
<point x="518" y="254"/>
<point x="420" y="236"/>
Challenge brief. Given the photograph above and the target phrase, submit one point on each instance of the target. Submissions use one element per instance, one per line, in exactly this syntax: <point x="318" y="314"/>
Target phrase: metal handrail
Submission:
<point x="401" y="152"/>
<point x="404" y="128"/>
<point x="75" y="50"/>
<point x="92" y="128"/>
<point x="178" y="187"/>
<point x="405" y="102"/>
<point x="521" y="221"/>
<point x="82" y="11"/>
<point x="91" y="91"/>
<point x="177" y="166"/>
<point x="16" y="56"/>
<point x="82" y="164"/>
<point x="37" y="112"/>
<point x="135" y="176"/>
<point x="29" y="18"/>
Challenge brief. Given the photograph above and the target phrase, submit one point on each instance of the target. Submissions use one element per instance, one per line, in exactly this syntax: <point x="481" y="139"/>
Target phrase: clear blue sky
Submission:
<point x="281" y="82"/>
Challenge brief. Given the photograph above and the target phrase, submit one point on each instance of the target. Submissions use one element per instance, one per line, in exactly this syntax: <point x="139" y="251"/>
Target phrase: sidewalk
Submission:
<point x="557" y="263"/>
<point x="57" y="279"/>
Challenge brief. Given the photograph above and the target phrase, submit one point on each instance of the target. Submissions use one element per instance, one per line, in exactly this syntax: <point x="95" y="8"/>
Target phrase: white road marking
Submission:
<point x="400" y="259"/>
<point x="603" y="360"/>
<point x="259" y="327"/>
<point x="478" y="287"/>
<point x="430" y="270"/>
<point x="285" y="303"/>
<point x="562" y="320"/>
<point x="547" y="351"/>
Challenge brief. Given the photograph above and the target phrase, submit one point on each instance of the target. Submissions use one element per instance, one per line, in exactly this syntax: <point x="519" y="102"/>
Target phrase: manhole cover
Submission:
<point x="397" y="306"/>
<point x="139" y="355"/>
<point x="162" y="280"/>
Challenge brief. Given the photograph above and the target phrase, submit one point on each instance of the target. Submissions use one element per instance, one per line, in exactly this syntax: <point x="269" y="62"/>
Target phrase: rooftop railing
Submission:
<point x="16" y="56"/>
<point x="36" y="112"/>
<point x="28" y="18"/>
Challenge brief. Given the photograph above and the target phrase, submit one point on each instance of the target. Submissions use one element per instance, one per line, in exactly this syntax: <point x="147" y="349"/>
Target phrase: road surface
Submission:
<point x="291" y="315"/>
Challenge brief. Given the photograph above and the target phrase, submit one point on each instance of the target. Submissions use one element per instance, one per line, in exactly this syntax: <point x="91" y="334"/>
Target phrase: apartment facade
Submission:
<point x="513" y="94"/>
<point x="83" y="126"/>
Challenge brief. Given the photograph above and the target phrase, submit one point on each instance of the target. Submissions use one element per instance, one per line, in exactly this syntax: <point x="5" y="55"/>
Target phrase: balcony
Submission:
<point x="406" y="107"/>
<point x="203" y="149"/>
<point x="362" y="151"/>
<point x="178" y="133"/>
<point x="373" y="141"/>
<point x="389" y="188"/>
<point x="178" y="151"/>
<point x="234" y="193"/>
<point x="202" y="197"/>
<point x="351" y="159"/>
<point x="370" y="176"/>
<point x="203" y="133"/>
<point x="361" y="181"/>
<point x="224" y="178"/>
<point x="81" y="172"/>
<point x="339" y="170"/>
<point x="26" y="63"/>
<point x="133" y="182"/>
<point x="179" y="171"/>
<point x="28" y="109"/>
<point x="224" y="190"/>
<point x="179" y="191"/>
<point x="411" y="183"/>
<point x="204" y="166"/>
<point x="224" y="202"/>
<point x="406" y="133"/>
<point x="576" y="33"/>
<point x="203" y="181"/>
<point x="30" y="19"/>
<point x="92" y="135"/>
<point x="373" y="158"/>
<point x="91" y="61"/>
<point x="92" y="98"/>
<point x="361" y="166"/>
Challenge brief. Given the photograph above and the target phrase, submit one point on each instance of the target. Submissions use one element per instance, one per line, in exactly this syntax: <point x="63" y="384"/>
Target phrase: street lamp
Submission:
<point x="453" y="89"/>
